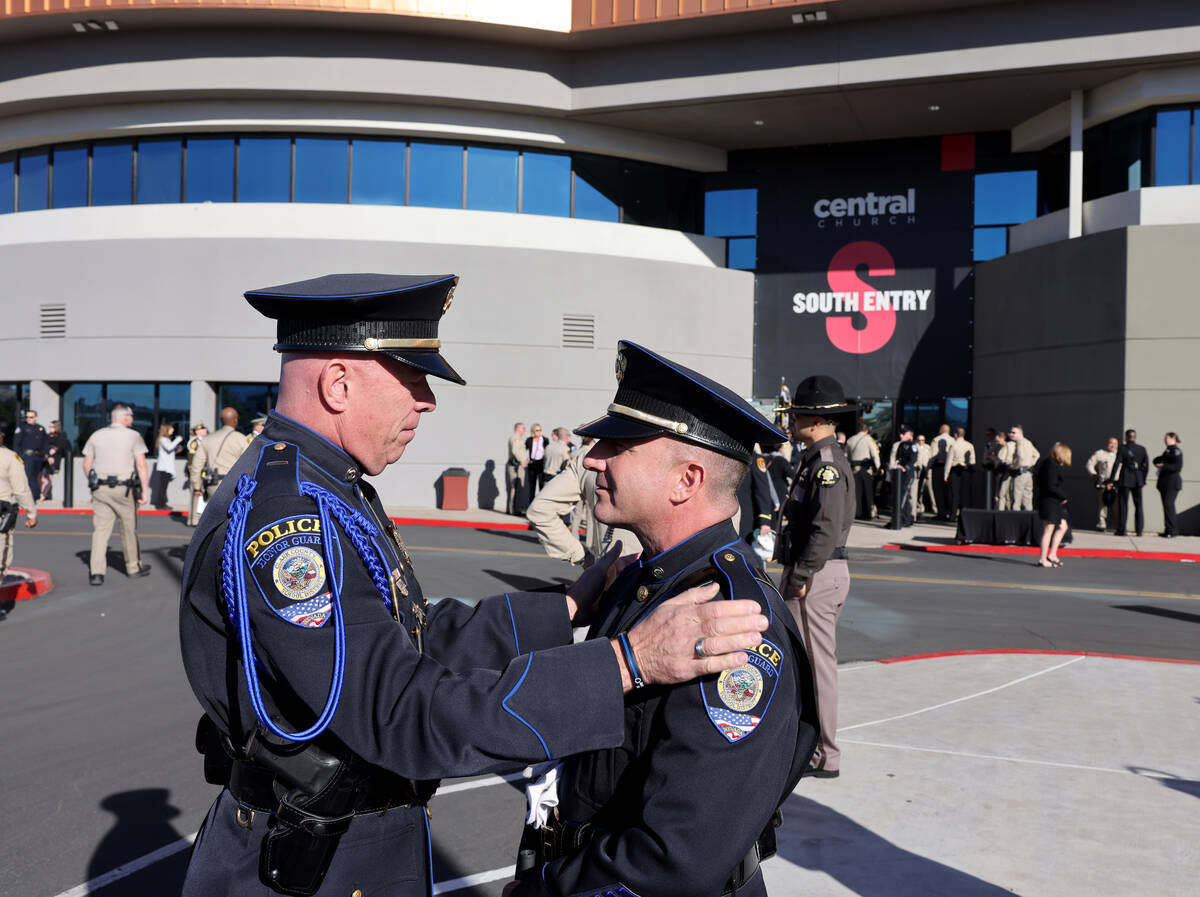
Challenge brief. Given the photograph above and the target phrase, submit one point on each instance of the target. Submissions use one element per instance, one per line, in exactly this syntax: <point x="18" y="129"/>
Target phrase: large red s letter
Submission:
<point x="843" y="278"/>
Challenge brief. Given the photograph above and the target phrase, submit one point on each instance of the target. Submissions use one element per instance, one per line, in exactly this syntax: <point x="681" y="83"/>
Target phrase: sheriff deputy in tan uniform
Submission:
<point x="960" y="461"/>
<point x="514" y="470"/>
<point x="576" y="485"/>
<point x="1002" y="471"/>
<point x="1024" y="457"/>
<point x="1100" y="466"/>
<point x="815" y="522"/>
<point x="863" y="453"/>
<point x="14" y="489"/>
<point x="217" y="454"/>
<point x="256" y="426"/>
<point x="116" y="456"/>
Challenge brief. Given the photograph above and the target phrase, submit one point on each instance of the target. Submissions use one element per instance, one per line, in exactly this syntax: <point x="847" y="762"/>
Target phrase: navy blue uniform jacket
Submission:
<point x="703" y="765"/>
<point x="476" y="701"/>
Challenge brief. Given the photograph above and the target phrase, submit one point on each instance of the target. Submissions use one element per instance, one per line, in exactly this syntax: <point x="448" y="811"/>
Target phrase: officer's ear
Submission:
<point x="333" y="385"/>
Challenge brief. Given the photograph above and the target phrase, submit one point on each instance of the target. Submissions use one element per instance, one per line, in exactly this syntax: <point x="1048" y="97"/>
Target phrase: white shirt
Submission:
<point x="166" y="453"/>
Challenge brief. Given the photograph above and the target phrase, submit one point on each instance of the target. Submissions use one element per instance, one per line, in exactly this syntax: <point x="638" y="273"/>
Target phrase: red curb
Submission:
<point x="149" y="512"/>
<point x="466" y="524"/>
<point x="1127" y="553"/>
<point x="39" y="583"/>
<point x="933" y="654"/>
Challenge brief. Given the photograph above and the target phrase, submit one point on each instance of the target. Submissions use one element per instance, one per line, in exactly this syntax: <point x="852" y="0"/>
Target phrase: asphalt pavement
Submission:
<point x="975" y="773"/>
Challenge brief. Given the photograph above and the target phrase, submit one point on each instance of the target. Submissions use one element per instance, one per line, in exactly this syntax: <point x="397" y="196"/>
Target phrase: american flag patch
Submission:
<point x="733" y="725"/>
<point x="310" y="614"/>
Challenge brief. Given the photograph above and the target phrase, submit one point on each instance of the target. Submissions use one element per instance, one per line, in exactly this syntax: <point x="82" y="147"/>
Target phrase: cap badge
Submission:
<point x="449" y="297"/>
<point x="622" y="364"/>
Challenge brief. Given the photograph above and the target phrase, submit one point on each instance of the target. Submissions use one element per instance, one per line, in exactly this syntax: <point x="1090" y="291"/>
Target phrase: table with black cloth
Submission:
<point x="975" y="525"/>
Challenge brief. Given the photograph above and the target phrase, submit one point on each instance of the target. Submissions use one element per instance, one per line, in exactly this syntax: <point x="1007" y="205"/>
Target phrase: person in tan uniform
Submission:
<point x="1024" y="457"/>
<point x="940" y="447"/>
<point x="924" y="479"/>
<point x="14" y="492"/>
<point x="960" y="461"/>
<point x="218" y="452"/>
<point x="815" y="521"/>
<point x="1001" y="472"/>
<point x="863" y="453"/>
<point x="256" y="426"/>
<point x="575" y="487"/>
<point x="558" y="452"/>
<point x="514" y="470"/>
<point x="1100" y="466"/>
<point x="114" y="461"/>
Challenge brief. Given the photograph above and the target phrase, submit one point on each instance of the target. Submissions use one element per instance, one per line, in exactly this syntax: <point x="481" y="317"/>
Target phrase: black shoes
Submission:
<point x="96" y="579"/>
<point x="1166" y="535"/>
<point x="144" y="570"/>
<point x="813" y="773"/>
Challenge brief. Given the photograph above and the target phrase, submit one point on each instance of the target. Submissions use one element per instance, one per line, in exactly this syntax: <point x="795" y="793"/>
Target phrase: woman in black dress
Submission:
<point x="1170" y="482"/>
<point x="1052" y="503"/>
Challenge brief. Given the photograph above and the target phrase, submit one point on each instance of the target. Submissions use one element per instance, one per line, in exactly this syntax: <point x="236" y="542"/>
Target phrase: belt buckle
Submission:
<point x="244" y="817"/>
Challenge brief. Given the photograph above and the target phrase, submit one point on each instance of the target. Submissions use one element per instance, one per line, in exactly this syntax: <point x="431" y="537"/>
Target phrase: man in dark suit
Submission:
<point x="1129" y="475"/>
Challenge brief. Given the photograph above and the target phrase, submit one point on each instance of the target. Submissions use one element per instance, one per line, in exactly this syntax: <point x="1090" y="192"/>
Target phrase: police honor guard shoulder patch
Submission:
<point x="737" y="699"/>
<point x="827" y="475"/>
<point x="287" y="566"/>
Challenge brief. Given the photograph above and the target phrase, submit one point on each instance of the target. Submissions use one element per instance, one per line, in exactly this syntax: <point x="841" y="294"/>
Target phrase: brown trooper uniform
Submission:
<point x="116" y="454"/>
<point x="14" y="488"/>
<point x="815" y="522"/>
<point x="217" y="453"/>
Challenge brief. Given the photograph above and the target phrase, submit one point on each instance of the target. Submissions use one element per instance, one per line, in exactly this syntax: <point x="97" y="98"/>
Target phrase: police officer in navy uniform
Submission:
<point x="1129" y="476"/>
<point x="815" y="522"/>
<point x="335" y="697"/>
<point x="31" y="442"/>
<point x="686" y="803"/>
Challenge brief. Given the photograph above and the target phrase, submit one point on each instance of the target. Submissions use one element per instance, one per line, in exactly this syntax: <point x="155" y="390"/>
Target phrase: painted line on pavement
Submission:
<point x="129" y="868"/>
<point x="978" y="694"/>
<point x="1032" y="587"/>
<point x="479" y="878"/>
<point x="482" y="783"/>
<point x="1145" y="774"/>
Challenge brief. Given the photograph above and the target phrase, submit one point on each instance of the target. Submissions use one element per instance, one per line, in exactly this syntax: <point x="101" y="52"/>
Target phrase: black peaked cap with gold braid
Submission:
<point x="657" y="397"/>
<point x="391" y="314"/>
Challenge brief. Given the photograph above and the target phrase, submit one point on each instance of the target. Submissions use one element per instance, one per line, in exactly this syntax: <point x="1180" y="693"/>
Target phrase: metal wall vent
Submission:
<point x="54" y="322"/>
<point x="579" y="331"/>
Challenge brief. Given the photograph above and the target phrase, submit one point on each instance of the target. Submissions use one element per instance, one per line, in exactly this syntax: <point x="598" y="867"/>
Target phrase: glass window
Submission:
<point x="743" y="253"/>
<point x="546" y="184"/>
<point x="250" y="400"/>
<point x="264" y="169"/>
<point x="957" y="412"/>
<point x="33" y="180"/>
<point x="377" y="171"/>
<point x="209" y="173"/>
<point x="597" y="186"/>
<point x="491" y="179"/>
<point x="322" y="169"/>
<point x="657" y="196"/>
<point x="83" y="412"/>
<point x="139" y="397"/>
<point x="435" y="175"/>
<point x="174" y="407"/>
<point x="112" y="174"/>
<point x="1172" y="152"/>
<point x="14" y="398"/>
<point x="8" y="171"/>
<point x="731" y="213"/>
<point x="1006" y="197"/>
<point x="70" y="176"/>
<point x="990" y="243"/>
<point x="159" y="171"/>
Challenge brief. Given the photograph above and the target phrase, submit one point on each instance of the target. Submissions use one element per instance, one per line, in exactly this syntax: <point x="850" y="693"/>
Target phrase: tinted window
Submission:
<point x="70" y="176"/>
<point x="82" y="412"/>
<point x="435" y="177"/>
<point x="321" y="169"/>
<point x="159" y="171"/>
<point x="1171" y="147"/>
<point x="209" y="169"/>
<point x="139" y="397"/>
<point x="33" y="181"/>
<point x="112" y="174"/>
<point x="491" y="179"/>
<point x="657" y="196"/>
<point x="8" y="171"/>
<point x="743" y="253"/>
<point x="250" y="400"/>
<point x="546" y="184"/>
<point x="1006" y="197"/>
<point x="730" y="213"/>
<point x="377" y="171"/>
<point x="597" y="186"/>
<point x="174" y="406"/>
<point x="264" y="169"/>
<point x="990" y="243"/>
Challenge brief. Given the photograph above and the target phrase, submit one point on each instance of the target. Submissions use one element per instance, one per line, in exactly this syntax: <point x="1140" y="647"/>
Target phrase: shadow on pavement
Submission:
<point x="1159" y="612"/>
<point x="526" y="537"/>
<point x="821" y="839"/>
<point x="520" y="583"/>
<point x="1169" y="780"/>
<point x="143" y="824"/>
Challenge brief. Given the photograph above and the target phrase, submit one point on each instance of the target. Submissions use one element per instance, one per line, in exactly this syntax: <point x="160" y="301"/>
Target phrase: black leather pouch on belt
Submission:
<point x="316" y="805"/>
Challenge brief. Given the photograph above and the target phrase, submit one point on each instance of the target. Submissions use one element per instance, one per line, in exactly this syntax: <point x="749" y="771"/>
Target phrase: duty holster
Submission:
<point x="8" y="516"/>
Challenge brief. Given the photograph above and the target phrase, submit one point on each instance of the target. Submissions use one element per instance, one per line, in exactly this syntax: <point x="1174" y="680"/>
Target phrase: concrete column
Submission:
<point x="44" y="399"/>
<point x="203" y="405"/>
<point x="1075" y="188"/>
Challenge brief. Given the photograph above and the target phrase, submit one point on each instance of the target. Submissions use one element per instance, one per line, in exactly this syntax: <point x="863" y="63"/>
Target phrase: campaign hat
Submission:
<point x="658" y="397"/>
<point x="820" y="395"/>
<point x="395" y="315"/>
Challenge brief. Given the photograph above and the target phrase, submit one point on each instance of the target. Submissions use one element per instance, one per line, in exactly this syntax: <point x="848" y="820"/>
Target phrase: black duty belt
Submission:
<point x="838" y="554"/>
<point x="253" y="788"/>
<point x="114" y="482"/>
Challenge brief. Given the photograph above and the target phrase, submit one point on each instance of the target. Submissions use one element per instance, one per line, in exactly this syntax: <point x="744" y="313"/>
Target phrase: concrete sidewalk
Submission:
<point x="984" y="774"/>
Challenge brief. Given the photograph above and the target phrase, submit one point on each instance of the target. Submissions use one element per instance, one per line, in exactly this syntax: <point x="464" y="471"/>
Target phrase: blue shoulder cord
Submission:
<point x="233" y="575"/>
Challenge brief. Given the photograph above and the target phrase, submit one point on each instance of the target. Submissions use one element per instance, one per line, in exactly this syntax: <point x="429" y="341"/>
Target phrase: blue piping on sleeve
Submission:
<point x="515" y="716"/>
<point x="516" y="639"/>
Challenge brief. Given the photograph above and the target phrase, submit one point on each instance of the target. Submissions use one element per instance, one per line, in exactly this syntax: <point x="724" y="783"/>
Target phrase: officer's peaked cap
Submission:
<point x="657" y="397"/>
<point x="392" y="314"/>
<point x="821" y="395"/>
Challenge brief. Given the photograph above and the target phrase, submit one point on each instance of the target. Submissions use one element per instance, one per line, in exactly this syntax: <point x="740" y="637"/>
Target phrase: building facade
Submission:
<point x="939" y="202"/>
